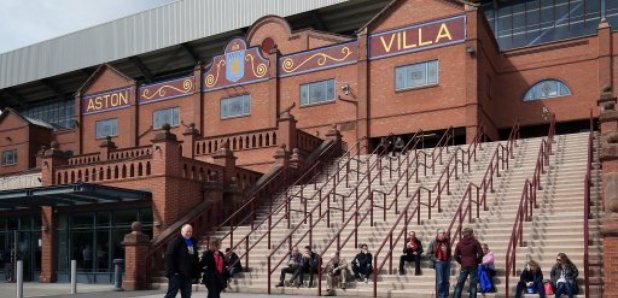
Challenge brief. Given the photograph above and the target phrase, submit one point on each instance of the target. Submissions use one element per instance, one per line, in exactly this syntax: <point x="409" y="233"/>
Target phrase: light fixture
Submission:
<point x="470" y="50"/>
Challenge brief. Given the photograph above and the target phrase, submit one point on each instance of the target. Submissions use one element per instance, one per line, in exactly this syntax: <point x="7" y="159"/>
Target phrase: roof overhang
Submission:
<point x="68" y="195"/>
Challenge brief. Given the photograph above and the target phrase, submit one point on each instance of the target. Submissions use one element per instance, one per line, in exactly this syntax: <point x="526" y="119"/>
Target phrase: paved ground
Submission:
<point x="61" y="290"/>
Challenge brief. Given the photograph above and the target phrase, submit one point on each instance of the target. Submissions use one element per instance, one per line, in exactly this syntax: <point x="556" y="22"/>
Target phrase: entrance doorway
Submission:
<point x="20" y="239"/>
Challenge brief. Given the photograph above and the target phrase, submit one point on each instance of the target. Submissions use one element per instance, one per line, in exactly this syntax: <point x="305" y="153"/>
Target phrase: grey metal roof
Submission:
<point x="148" y="31"/>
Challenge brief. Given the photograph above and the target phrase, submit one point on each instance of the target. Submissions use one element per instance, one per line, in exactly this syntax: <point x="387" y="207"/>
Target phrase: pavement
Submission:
<point x="62" y="290"/>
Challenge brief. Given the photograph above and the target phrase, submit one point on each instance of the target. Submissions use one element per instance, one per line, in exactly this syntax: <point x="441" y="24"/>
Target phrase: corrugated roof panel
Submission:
<point x="178" y="22"/>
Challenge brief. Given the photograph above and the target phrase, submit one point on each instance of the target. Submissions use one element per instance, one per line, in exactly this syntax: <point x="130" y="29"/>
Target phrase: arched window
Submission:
<point x="547" y="89"/>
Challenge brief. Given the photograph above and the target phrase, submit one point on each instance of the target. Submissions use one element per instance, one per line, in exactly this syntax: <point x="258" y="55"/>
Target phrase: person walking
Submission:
<point x="440" y="253"/>
<point x="469" y="254"/>
<point x="412" y="251"/>
<point x="213" y="266"/>
<point x="181" y="263"/>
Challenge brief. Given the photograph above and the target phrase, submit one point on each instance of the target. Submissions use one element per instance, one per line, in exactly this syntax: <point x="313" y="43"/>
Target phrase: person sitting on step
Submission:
<point x="487" y="270"/>
<point x="309" y="264"/>
<point x="294" y="262"/>
<point x="362" y="264"/>
<point x="412" y="251"/>
<point x="564" y="276"/>
<point x="531" y="281"/>
<point x="337" y="272"/>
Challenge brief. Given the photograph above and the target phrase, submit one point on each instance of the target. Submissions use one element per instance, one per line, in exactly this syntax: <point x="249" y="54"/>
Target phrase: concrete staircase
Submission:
<point x="557" y="224"/>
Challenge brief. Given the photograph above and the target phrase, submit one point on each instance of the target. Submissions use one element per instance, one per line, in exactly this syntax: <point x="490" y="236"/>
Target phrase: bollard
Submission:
<point x="73" y="277"/>
<point x="20" y="279"/>
<point x="118" y="274"/>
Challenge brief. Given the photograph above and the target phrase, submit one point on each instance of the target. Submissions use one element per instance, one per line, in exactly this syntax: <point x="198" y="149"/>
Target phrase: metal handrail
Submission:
<point x="454" y="160"/>
<point x="587" y="186"/>
<point x="369" y="212"/>
<point x="318" y="207"/>
<point x="528" y="202"/>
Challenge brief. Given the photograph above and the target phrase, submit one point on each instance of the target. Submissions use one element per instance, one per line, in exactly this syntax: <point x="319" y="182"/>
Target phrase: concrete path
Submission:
<point x="61" y="290"/>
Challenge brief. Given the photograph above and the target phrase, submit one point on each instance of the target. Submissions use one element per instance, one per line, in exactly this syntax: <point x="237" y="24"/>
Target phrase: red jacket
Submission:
<point x="468" y="252"/>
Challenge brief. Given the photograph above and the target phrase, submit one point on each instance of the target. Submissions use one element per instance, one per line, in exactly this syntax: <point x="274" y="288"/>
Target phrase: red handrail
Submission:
<point x="587" y="186"/>
<point x="369" y="198"/>
<point x="318" y="207"/>
<point x="453" y="161"/>
<point x="528" y="202"/>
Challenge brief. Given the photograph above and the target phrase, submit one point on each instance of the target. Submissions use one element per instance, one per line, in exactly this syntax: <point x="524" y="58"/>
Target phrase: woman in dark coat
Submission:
<point x="213" y="265"/>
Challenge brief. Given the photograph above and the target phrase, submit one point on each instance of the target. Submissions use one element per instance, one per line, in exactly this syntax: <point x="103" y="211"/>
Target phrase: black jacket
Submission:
<point x="233" y="261"/>
<point x="208" y="266"/>
<point x="408" y="251"/>
<point x="570" y="274"/>
<point x="527" y="276"/>
<point x="178" y="260"/>
<point x="362" y="259"/>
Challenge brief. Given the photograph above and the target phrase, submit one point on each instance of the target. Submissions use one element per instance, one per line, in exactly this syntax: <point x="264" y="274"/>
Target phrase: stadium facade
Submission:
<point x="129" y="143"/>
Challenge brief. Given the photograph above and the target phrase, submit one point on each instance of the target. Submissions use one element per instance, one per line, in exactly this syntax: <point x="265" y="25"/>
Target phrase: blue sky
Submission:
<point x="24" y="22"/>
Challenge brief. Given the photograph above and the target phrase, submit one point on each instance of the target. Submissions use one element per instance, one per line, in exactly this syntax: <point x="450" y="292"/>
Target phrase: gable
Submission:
<point x="406" y="12"/>
<point x="11" y="120"/>
<point x="105" y="78"/>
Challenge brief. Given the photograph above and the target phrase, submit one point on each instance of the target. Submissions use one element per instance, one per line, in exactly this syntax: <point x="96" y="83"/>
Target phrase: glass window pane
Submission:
<point x="416" y="75"/>
<point x="106" y="128"/>
<point x="547" y="89"/>
<point x="317" y="92"/>
<point x="235" y="106"/>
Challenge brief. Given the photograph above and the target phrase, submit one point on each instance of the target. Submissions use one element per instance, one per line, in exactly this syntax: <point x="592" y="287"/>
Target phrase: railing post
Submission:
<point x="390" y="260"/>
<point x="247" y="252"/>
<point x="371" y="208"/>
<point x="311" y="229"/>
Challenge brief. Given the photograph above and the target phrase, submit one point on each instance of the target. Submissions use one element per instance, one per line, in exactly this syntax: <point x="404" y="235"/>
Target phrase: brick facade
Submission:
<point x="478" y="85"/>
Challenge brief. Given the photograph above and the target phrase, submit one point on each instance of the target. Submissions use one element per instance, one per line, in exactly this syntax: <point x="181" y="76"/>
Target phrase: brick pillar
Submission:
<point x="282" y="157"/>
<point x="608" y="119"/>
<point x="334" y="134"/>
<point x="472" y="100"/>
<point x="225" y="157"/>
<point x="166" y="165"/>
<point x="106" y="146"/>
<point x="286" y="130"/>
<point x="136" y="246"/>
<point x="48" y="258"/>
<point x="189" y="136"/>
<point x="213" y="192"/>
<point x="362" y="97"/>
<point x="604" y="34"/>
<point x="51" y="158"/>
<point x="233" y="197"/>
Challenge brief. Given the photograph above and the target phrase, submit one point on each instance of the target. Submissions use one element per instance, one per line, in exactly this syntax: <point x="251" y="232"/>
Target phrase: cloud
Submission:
<point x="25" y="22"/>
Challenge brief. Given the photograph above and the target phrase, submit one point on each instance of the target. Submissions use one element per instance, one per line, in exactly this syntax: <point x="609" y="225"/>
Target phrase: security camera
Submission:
<point x="345" y="88"/>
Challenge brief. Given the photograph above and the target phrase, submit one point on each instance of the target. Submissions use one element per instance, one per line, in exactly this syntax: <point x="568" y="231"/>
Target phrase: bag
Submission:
<point x="485" y="282"/>
<point x="549" y="288"/>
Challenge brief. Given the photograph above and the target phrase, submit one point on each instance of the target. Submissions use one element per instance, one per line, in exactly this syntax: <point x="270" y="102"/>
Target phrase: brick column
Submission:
<point x="136" y="246"/>
<point x="608" y="119"/>
<point x="106" y="146"/>
<point x="472" y="66"/>
<point x="165" y="167"/>
<point x="51" y="158"/>
<point x="213" y="192"/>
<point x="189" y="136"/>
<point x="363" y="81"/>
<point x="48" y="258"/>
<point x="233" y="197"/>
<point x="286" y="130"/>
<point x="225" y="157"/>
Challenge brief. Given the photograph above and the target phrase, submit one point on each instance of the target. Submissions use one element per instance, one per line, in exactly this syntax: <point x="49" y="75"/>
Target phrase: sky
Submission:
<point x="25" y="22"/>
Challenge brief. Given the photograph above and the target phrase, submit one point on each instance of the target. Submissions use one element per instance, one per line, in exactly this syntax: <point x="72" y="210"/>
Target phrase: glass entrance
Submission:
<point x="20" y="239"/>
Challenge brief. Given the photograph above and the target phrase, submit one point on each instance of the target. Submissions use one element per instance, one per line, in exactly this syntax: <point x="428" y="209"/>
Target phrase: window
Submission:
<point x="317" y="92"/>
<point x="236" y="106"/>
<point x="58" y="113"/>
<point x="519" y="23"/>
<point x="547" y="89"/>
<point x="9" y="157"/>
<point x="416" y="75"/>
<point x="106" y="128"/>
<point x="169" y="116"/>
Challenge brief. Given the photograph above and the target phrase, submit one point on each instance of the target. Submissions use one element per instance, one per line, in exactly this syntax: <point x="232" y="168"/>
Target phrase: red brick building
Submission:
<point x="415" y="65"/>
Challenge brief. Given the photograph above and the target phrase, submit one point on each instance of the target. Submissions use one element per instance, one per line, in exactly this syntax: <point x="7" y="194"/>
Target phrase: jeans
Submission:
<point x="521" y="287"/>
<point x="443" y="273"/>
<point x="365" y="271"/>
<point x="463" y="275"/>
<point x="179" y="283"/>
<point x="564" y="288"/>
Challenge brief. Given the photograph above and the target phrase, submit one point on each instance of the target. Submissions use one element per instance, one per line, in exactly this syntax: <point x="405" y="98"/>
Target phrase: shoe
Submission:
<point x="330" y="293"/>
<point x="401" y="272"/>
<point x="417" y="273"/>
<point x="288" y="283"/>
<point x="367" y="279"/>
<point x="343" y="286"/>
<point x="279" y="285"/>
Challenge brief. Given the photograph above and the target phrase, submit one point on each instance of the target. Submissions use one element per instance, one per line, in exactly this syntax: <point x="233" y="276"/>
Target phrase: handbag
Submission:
<point x="484" y="280"/>
<point x="549" y="288"/>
